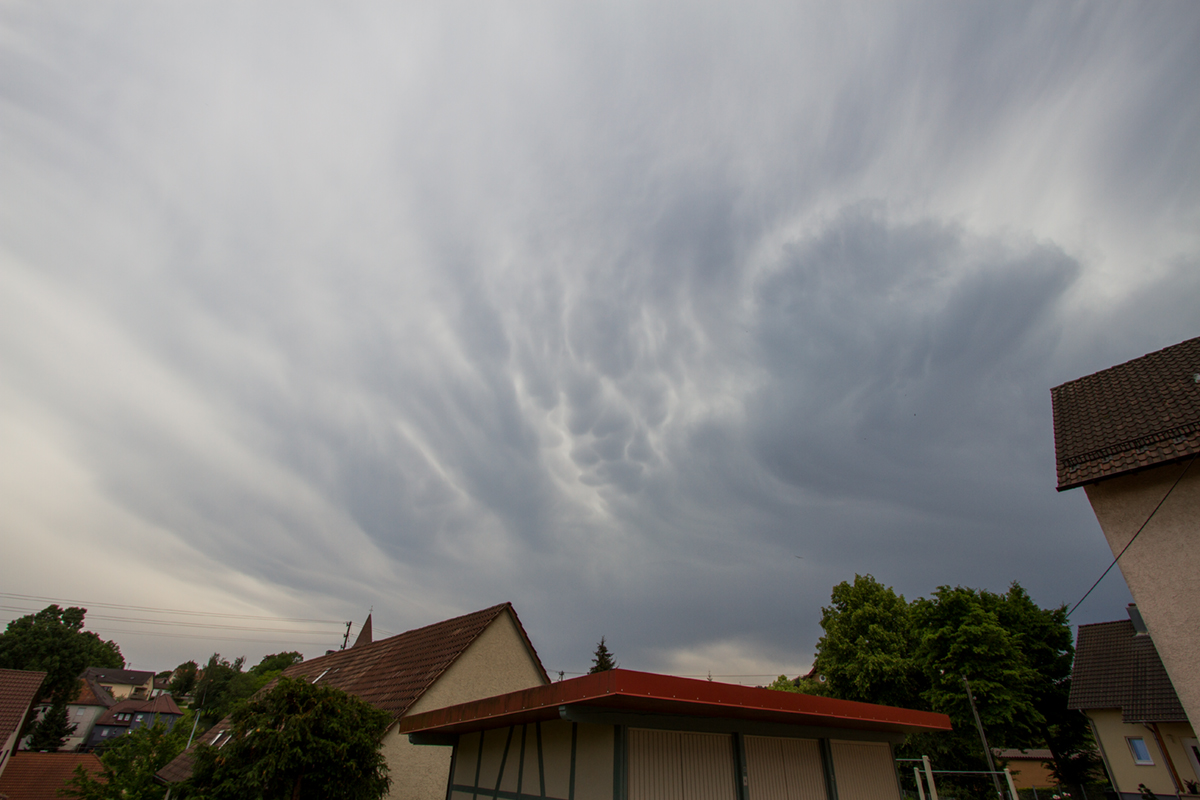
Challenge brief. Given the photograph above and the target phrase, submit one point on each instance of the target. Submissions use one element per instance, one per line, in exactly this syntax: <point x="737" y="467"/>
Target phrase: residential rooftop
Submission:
<point x="1137" y="415"/>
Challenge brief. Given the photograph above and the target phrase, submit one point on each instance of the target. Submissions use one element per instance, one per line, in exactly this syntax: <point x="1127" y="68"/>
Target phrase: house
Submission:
<point x="1130" y="435"/>
<point x="1137" y="720"/>
<point x="18" y="689"/>
<point x="1029" y="768"/>
<point x="129" y="715"/>
<point x="88" y="706"/>
<point x="625" y="735"/>
<point x="92" y="703"/>
<point x="123" y="684"/>
<point x="466" y="658"/>
<point x="39" y="776"/>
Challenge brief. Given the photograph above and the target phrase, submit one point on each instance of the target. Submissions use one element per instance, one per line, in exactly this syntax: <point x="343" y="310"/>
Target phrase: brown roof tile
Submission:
<point x="390" y="674"/>
<point x="1139" y="414"/>
<point x="93" y="694"/>
<point x="1116" y="669"/>
<point x="39" y="776"/>
<point x="18" y="690"/>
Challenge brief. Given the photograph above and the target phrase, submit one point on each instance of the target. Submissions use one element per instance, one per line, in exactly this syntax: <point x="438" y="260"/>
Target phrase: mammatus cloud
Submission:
<point x="657" y="321"/>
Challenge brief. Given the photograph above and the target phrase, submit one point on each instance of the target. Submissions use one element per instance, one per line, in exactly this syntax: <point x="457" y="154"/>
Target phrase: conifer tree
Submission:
<point x="602" y="659"/>
<point x="52" y="731"/>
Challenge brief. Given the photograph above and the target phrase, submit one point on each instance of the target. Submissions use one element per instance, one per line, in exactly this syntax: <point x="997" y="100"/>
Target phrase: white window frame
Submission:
<point x="1137" y="759"/>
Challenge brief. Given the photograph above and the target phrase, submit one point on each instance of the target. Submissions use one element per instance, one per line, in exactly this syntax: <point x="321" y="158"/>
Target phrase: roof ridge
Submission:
<point x="1124" y="363"/>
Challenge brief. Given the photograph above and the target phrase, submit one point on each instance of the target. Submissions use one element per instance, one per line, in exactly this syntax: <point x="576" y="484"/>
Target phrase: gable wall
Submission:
<point x="497" y="662"/>
<point x="1162" y="568"/>
<point x="1112" y="733"/>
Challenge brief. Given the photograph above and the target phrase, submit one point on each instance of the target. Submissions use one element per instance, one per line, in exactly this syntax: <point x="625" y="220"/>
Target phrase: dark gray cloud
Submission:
<point x="612" y="310"/>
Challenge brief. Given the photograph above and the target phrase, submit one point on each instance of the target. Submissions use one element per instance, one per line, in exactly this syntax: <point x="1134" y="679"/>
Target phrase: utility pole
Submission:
<point x="987" y="751"/>
<point x="346" y="638"/>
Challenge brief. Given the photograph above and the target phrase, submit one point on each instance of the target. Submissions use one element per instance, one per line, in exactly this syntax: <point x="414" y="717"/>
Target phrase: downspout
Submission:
<point x="1162" y="748"/>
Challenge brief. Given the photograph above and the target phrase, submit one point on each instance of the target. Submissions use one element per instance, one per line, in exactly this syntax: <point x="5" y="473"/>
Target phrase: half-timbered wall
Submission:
<point x="553" y="760"/>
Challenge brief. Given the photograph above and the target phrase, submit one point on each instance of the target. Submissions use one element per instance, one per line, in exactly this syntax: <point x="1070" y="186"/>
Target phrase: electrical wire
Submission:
<point x="154" y="610"/>
<point x="178" y="624"/>
<point x="1135" y="535"/>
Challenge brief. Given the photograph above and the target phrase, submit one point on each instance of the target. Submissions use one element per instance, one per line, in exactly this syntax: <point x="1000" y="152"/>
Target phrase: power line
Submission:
<point x="166" y="610"/>
<point x="179" y="624"/>
<point x="1135" y="536"/>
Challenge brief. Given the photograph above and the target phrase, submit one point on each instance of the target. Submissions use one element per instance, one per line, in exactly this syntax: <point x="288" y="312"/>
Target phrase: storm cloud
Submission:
<point x="657" y="320"/>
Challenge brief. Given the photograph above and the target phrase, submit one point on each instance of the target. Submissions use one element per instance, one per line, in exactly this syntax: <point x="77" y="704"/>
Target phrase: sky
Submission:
<point x="655" y="319"/>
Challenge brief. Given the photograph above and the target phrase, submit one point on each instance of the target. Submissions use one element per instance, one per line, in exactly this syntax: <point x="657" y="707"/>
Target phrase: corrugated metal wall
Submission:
<point x="784" y="769"/>
<point x="864" y="771"/>
<point x="672" y="765"/>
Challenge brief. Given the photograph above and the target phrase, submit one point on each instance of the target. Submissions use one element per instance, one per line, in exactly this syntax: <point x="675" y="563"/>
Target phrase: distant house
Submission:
<point x="123" y="684"/>
<point x="1029" y="768"/>
<point x="640" y="736"/>
<point x="1136" y="717"/>
<point x="1130" y="435"/>
<point x="18" y="689"/>
<point x="39" y="776"/>
<point x="129" y="715"/>
<point x="91" y="704"/>
<point x="466" y="658"/>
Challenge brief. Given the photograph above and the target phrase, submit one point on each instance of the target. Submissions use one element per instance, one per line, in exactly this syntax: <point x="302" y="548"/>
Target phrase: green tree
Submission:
<point x="296" y="741"/>
<point x="128" y="764"/>
<point x="221" y="686"/>
<point x="879" y="648"/>
<point x="183" y="679"/>
<point x="53" y="641"/>
<point x="276" y="663"/>
<point x="602" y="659"/>
<point x="866" y="653"/>
<point x="51" y="732"/>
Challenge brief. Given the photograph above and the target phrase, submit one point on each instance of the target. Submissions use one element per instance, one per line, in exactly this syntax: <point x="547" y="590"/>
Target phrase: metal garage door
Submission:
<point x="865" y="771"/>
<point x="784" y="769"/>
<point x="672" y="765"/>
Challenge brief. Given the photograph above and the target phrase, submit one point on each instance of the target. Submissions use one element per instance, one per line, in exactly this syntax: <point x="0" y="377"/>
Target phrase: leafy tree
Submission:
<point x="276" y="663"/>
<point x="602" y="659"/>
<point x="53" y="640"/>
<point x="221" y="685"/>
<point x="51" y="732"/>
<point x="296" y="741"/>
<point x="183" y="679"/>
<point x="128" y="764"/>
<point x="866" y="653"/>
<point x="880" y="648"/>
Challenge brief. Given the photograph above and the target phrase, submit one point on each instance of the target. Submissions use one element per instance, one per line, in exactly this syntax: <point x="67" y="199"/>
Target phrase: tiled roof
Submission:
<point x="163" y="704"/>
<point x="93" y="694"/>
<point x="39" y="776"/>
<point x="1024" y="755"/>
<point x="390" y="674"/>
<point x="18" y="690"/>
<point x="1139" y="414"/>
<point x="124" y="677"/>
<point x="1116" y="669"/>
<point x="124" y="707"/>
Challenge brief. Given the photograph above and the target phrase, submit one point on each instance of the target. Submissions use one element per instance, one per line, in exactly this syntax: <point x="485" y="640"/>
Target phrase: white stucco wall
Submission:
<point x="1162" y="568"/>
<point x="495" y="663"/>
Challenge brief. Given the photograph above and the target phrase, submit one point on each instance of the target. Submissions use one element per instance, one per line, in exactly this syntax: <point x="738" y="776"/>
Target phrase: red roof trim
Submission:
<point x="627" y="690"/>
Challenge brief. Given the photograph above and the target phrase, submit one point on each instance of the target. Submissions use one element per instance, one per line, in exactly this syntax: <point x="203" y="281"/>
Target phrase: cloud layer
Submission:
<point x="657" y="320"/>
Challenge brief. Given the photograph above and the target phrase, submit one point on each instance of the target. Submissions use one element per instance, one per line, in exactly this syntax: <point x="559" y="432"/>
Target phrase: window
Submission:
<point x="139" y="717"/>
<point x="1141" y="753"/>
<point x="79" y="712"/>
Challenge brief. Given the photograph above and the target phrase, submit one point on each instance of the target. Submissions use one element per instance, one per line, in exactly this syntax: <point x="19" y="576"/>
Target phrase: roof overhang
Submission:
<point x="622" y="694"/>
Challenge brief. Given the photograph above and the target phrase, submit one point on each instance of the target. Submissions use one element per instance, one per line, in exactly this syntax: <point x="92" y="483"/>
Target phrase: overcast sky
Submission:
<point x="655" y="319"/>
